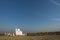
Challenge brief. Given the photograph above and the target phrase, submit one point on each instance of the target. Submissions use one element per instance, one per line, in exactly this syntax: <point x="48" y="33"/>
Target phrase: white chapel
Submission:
<point x="18" y="31"/>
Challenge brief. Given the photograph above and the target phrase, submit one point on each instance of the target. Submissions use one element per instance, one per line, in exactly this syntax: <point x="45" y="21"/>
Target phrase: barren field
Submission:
<point x="54" y="37"/>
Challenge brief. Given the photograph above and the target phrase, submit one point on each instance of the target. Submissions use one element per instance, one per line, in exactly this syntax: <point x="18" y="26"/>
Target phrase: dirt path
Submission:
<point x="30" y="38"/>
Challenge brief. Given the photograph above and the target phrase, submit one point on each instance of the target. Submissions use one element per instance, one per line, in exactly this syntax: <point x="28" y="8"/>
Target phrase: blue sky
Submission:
<point x="30" y="15"/>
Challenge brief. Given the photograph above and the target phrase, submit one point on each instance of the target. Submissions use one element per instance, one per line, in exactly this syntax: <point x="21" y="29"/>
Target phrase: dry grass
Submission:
<point x="54" y="37"/>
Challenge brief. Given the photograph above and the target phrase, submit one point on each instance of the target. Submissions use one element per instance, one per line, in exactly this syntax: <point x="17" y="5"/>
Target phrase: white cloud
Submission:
<point x="55" y="19"/>
<point x="53" y="1"/>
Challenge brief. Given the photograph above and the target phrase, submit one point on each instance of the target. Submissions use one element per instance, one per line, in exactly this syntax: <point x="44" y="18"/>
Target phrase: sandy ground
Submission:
<point x="54" y="37"/>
